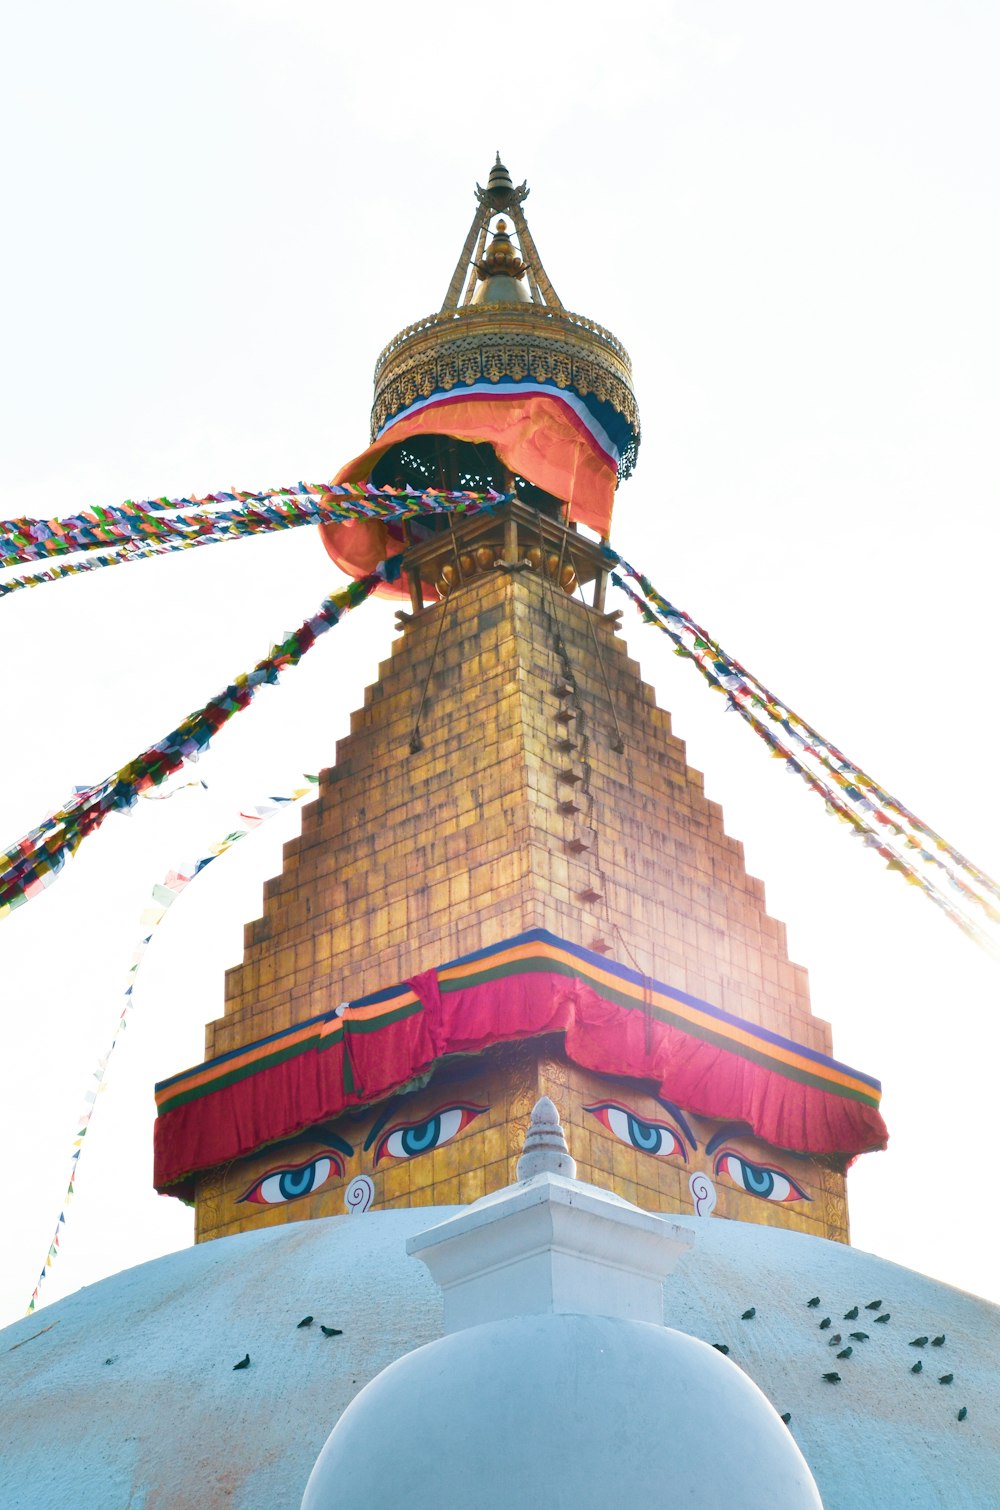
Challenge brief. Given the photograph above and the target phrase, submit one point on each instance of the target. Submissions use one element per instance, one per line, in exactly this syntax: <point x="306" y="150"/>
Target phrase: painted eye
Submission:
<point x="408" y="1140"/>
<point x="657" y="1138"/>
<point x="290" y="1184"/>
<point x="759" y="1179"/>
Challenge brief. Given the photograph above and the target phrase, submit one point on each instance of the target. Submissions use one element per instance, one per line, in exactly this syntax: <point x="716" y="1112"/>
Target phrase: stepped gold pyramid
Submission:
<point x="511" y="884"/>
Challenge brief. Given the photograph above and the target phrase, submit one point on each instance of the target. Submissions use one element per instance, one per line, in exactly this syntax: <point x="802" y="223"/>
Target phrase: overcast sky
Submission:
<point x="216" y="215"/>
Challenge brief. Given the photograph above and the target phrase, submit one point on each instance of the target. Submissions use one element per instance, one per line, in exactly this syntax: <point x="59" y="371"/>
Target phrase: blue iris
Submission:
<point x="644" y="1135"/>
<point x="419" y="1139"/>
<point x="296" y="1182"/>
<point x="758" y="1181"/>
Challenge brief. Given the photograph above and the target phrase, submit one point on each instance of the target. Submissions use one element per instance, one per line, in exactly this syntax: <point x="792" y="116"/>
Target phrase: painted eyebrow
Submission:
<point x="393" y="1106"/>
<point x="318" y="1134"/>
<point x="380" y="1122"/>
<point x="729" y="1130"/>
<point x="681" y="1120"/>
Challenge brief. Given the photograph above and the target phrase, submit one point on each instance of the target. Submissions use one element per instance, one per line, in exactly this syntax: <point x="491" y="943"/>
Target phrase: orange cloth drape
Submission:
<point x="537" y="435"/>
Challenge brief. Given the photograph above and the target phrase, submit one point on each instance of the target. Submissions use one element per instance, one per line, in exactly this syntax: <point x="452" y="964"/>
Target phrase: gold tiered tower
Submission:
<point x="510" y="860"/>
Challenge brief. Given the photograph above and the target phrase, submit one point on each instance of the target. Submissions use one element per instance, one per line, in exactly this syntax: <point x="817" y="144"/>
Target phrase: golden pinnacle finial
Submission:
<point x="501" y="256"/>
<point x="499" y="181"/>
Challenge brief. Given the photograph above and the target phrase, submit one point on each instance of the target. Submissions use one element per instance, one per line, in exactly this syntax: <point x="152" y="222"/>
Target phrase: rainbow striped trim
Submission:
<point x="595" y="419"/>
<point x="534" y="952"/>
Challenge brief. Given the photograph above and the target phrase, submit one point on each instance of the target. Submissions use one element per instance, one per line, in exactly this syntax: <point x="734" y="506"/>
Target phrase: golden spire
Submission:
<point x="502" y="321"/>
<point x="499" y="196"/>
<point x="501" y="272"/>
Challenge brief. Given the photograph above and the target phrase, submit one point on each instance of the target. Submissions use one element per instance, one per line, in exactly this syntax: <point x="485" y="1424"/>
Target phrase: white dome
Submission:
<point x="167" y="1420"/>
<point x="568" y="1411"/>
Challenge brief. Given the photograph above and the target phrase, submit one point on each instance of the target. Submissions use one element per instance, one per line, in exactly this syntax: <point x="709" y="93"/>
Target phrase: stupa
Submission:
<point x="511" y="883"/>
<point x="510" y="887"/>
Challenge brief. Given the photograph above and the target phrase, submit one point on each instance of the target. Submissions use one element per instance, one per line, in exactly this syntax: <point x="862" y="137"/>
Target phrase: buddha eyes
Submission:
<point x="294" y="1181"/>
<point x="407" y="1140"/>
<point x="664" y="1142"/>
<point x="404" y="1141"/>
<point x="657" y="1138"/>
<point x="758" y="1179"/>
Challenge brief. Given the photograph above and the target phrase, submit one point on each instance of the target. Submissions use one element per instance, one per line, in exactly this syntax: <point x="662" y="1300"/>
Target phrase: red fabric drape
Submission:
<point x="373" y="1060"/>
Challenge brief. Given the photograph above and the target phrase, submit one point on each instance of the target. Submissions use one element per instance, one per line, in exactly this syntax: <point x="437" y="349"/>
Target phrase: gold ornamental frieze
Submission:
<point x="519" y="342"/>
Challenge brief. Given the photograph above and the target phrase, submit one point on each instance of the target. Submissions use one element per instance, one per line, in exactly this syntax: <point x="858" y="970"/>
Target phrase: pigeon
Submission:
<point x="937" y="1341"/>
<point x="331" y="1331"/>
<point x="874" y="1305"/>
<point x="852" y="1314"/>
<point x="243" y="1363"/>
<point x="786" y="1416"/>
<point x="946" y="1378"/>
<point x="845" y="1352"/>
<point x="916" y="1367"/>
<point x="814" y="1303"/>
<point x="858" y="1336"/>
<point x="963" y="1413"/>
<point x="824" y="1323"/>
<point x="749" y="1315"/>
<point x="720" y="1347"/>
<point x="919" y="1342"/>
<point x="832" y="1378"/>
<point x="835" y="1340"/>
<point x="885" y="1317"/>
<point x="306" y="1321"/>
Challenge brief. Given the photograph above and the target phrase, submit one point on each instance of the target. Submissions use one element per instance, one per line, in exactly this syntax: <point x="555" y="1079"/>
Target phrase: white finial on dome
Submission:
<point x="550" y="1244"/>
<point x="545" y="1150"/>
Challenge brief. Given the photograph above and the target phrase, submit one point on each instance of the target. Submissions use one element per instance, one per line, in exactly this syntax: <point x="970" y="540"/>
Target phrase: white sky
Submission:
<point x="216" y="215"/>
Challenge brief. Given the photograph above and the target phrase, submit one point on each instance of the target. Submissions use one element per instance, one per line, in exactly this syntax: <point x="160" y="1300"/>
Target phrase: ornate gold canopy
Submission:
<point x="502" y="321"/>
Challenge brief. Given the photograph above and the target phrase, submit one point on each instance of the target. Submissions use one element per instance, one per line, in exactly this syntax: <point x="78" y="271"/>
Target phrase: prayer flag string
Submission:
<point x="883" y="823"/>
<point x="31" y="864"/>
<point x="135" y="550"/>
<point x="851" y="778"/>
<point x="164" y="895"/>
<point x="133" y="531"/>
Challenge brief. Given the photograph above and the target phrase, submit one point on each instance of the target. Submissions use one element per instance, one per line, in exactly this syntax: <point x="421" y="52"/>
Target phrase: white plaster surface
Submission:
<point x="548" y="1244"/>
<point x="168" y="1424"/>
<point x="568" y="1411"/>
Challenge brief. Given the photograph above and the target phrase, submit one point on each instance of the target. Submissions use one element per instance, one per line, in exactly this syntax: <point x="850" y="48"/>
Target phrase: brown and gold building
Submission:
<point x="511" y="883"/>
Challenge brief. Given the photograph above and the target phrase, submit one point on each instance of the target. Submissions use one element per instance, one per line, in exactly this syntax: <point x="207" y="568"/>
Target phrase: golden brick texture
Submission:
<point x="517" y="810"/>
<point x="408" y="859"/>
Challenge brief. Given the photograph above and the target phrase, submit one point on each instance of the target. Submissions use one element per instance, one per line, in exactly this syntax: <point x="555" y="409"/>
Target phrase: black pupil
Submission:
<point x="297" y="1181"/>
<point x="645" y="1136"/>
